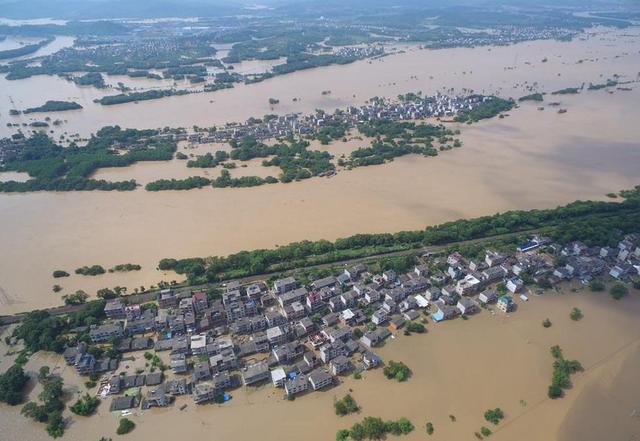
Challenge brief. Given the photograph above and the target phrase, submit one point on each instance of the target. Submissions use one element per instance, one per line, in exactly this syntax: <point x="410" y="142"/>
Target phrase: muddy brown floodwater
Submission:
<point x="530" y="159"/>
<point x="459" y="368"/>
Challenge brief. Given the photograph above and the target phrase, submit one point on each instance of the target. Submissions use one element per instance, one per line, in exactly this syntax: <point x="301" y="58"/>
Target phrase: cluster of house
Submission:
<point x="420" y="107"/>
<point x="621" y="262"/>
<point x="10" y="147"/>
<point x="501" y="35"/>
<point x="302" y="338"/>
<point x="367" y="51"/>
<point x="250" y="336"/>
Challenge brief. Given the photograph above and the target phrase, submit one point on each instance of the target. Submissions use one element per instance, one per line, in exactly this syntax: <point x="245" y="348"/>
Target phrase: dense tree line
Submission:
<point x="532" y="97"/>
<point x="66" y="184"/>
<point x="225" y="180"/>
<point x="198" y="70"/>
<point x="374" y="428"/>
<point x="216" y="85"/>
<point x="304" y="61"/>
<point x="125" y="267"/>
<point x="591" y="222"/>
<point x="122" y="98"/>
<point x="208" y="160"/>
<point x="178" y="184"/>
<point x="598" y="86"/>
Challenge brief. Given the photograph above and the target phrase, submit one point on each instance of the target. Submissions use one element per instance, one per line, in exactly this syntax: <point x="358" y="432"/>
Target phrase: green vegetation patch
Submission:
<point x="566" y="91"/>
<point x="532" y="97"/>
<point x="12" y="385"/>
<point x="374" y="428"/>
<point x="93" y="270"/>
<point x="397" y="138"/>
<point x="54" y="106"/>
<point x="85" y="405"/>
<point x="488" y="108"/>
<point x="57" y="168"/>
<point x="346" y="405"/>
<point x="396" y="370"/>
<point x="593" y="222"/>
<point x="494" y="415"/>
<point x="125" y="426"/>
<point x="562" y="370"/>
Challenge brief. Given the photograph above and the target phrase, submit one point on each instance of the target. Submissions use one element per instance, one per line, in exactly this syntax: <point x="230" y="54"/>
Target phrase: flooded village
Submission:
<point x="412" y="107"/>
<point x="440" y="299"/>
<point x="208" y="342"/>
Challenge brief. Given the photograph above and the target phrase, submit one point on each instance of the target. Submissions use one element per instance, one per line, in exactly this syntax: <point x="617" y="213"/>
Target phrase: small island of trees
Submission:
<point x="125" y="426"/>
<point x="346" y="405"/>
<point x="93" y="270"/>
<point x="125" y="267"/>
<point x="374" y="428"/>
<point x="54" y="106"/>
<point x="494" y="415"/>
<point x="532" y="97"/>
<point x="566" y="91"/>
<point x="397" y="371"/>
<point x="562" y="370"/>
